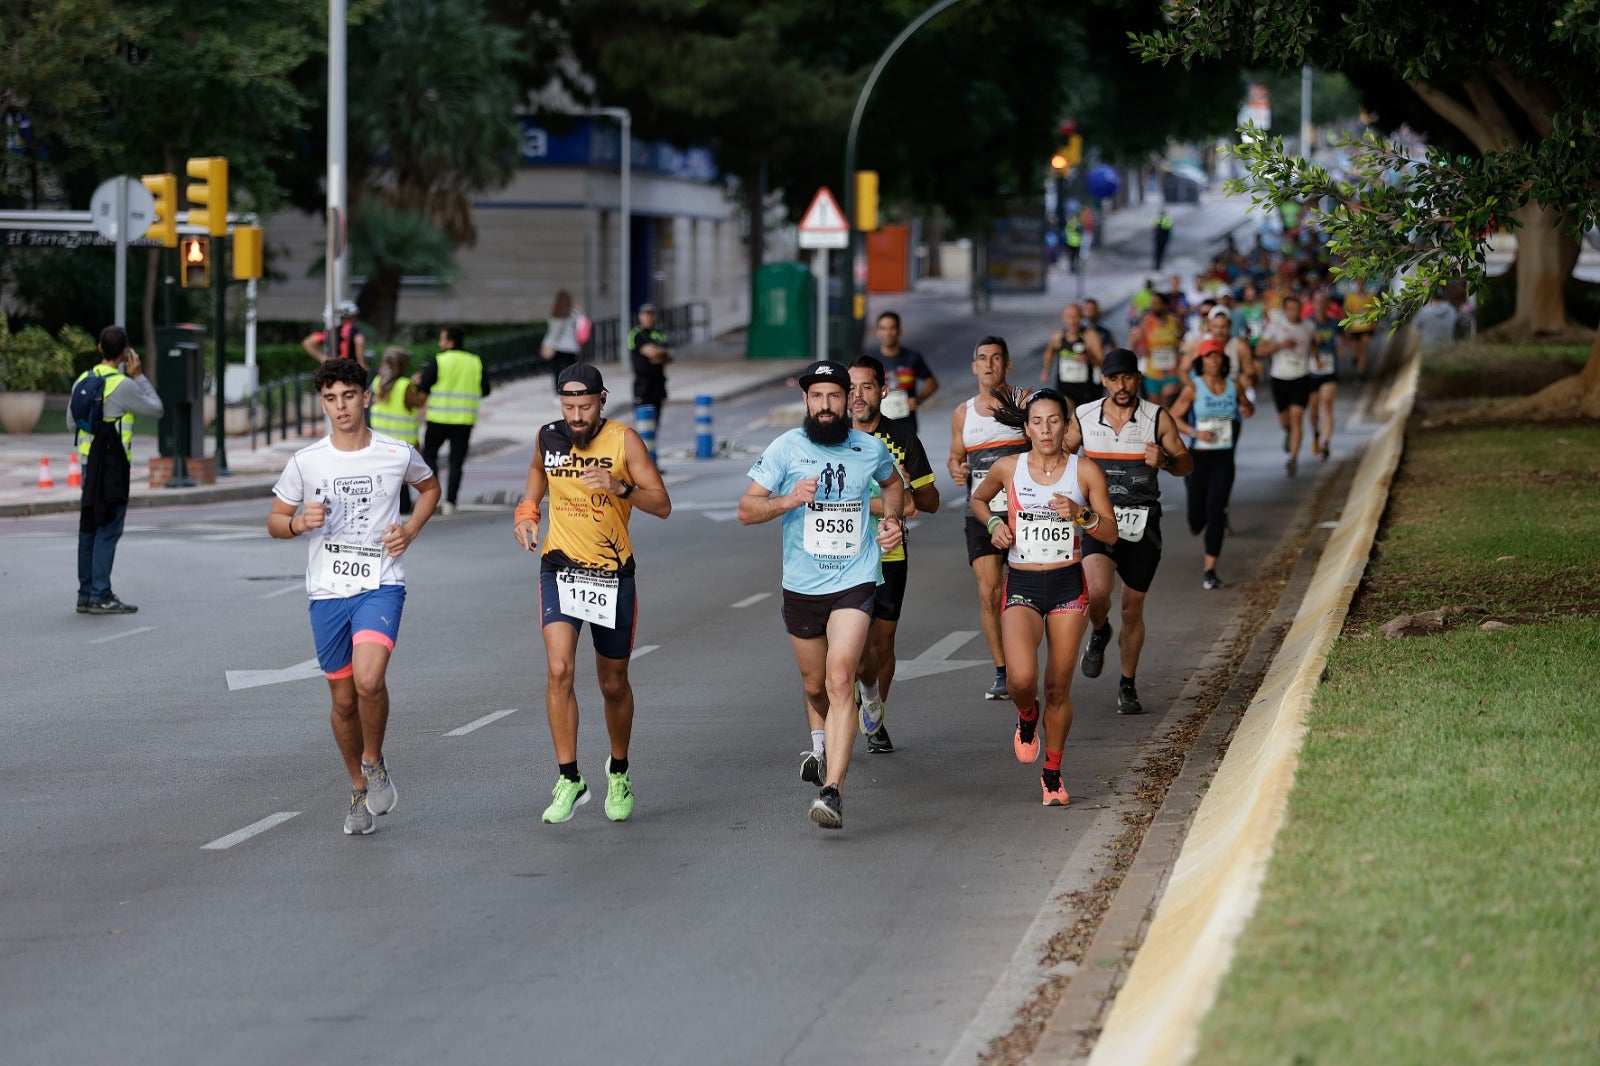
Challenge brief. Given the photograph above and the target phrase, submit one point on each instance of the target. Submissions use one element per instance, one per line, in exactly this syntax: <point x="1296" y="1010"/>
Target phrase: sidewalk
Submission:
<point x="510" y="416"/>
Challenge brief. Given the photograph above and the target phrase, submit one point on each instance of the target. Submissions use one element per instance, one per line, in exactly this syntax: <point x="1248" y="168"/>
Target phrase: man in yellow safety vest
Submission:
<point x="455" y="384"/>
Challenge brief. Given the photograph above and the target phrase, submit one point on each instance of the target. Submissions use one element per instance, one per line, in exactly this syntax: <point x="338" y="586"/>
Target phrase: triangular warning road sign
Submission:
<point x="824" y="215"/>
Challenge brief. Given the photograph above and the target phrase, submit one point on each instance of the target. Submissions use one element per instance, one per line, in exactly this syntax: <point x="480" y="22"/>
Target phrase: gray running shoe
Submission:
<point x="359" y="821"/>
<point x="83" y="605"/>
<point x="998" y="690"/>
<point x="878" y="742"/>
<point x="870" y="715"/>
<point x="381" y="794"/>
<point x="813" y="768"/>
<point x="1094" y="652"/>
<point x="1128" y="701"/>
<point x="827" y="810"/>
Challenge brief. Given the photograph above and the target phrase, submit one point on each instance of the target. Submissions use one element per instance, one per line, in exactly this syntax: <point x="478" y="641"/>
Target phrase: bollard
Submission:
<point x="644" y="421"/>
<point x="704" y="438"/>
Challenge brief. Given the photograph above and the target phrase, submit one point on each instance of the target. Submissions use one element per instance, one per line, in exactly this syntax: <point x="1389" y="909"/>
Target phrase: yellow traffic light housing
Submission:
<point x="196" y="265"/>
<point x="246" y="252"/>
<point x="164" y="227"/>
<point x="866" y="200"/>
<point x="210" y="195"/>
<point x="1068" y="155"/>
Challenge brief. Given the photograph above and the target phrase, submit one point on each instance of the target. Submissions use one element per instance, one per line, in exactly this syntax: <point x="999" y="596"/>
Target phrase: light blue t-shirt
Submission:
<point x="845" y="474"/>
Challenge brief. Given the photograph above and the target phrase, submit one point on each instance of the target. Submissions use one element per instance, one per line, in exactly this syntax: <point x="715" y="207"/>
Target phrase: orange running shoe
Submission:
<point x="1055" y="793"/>
<point x="1026" y="746"/>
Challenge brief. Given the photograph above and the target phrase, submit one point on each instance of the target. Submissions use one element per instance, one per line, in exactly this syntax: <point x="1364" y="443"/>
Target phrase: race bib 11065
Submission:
<point x="1043" y="536"/>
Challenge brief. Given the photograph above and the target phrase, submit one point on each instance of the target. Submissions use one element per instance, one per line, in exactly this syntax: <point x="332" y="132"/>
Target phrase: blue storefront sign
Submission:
<point x="595" y="144"/>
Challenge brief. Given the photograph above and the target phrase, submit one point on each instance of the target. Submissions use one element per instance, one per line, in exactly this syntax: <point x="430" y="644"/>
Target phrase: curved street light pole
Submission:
<point x="848" y="308"/>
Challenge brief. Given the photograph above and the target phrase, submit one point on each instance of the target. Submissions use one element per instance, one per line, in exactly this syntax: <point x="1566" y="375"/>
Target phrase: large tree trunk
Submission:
<point x="379" y="303"/>
<point x="1546" y="255"/>
<point x="755" y="205"/>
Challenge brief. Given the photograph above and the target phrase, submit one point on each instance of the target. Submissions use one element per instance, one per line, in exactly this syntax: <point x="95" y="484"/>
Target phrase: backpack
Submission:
<point x="582" y="328"/>
<point x="87" y="404"/>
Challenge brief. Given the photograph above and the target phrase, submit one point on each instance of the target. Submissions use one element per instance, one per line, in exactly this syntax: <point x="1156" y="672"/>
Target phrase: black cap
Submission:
<point x="825" y="370"/>
<point x="585" y="374"/>
<point x="1119" y="361"/>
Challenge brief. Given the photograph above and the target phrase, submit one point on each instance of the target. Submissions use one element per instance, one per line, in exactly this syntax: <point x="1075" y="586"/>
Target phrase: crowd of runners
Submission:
<point x="1061" y="487"/>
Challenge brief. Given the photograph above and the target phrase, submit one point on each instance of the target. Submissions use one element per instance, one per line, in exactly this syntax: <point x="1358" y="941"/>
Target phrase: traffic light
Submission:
<point x="196" y="263"/>
<point x="1069" y="155"/>
<point x="866" y="200"/>
<point x="164" y="227"/>
<point x="210" y="196"/>
<point x="246" y="252"/>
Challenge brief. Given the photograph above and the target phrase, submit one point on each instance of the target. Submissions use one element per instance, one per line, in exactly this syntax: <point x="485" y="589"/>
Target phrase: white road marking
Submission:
<point x="241" y="679"/>
<point x="275" y="593"/>
<point x="224" y="843"/>
<point x="124" y="633"/>
<point x="749" y="601"/>
<point x="480" y="723"/>
<point x="722" y="516"/>
<point x="642" y="650"/>
<point x="252" y="535"/>
<point x="936" y="660"/>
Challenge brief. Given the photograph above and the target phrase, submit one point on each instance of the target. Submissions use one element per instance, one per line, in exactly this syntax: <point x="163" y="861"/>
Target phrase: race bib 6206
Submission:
<point x="348" y="569"/>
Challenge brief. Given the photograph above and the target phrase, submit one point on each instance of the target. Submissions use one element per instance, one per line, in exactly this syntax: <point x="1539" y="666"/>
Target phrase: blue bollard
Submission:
<point x="704" y="438"/>
<point x="644" y="422"/>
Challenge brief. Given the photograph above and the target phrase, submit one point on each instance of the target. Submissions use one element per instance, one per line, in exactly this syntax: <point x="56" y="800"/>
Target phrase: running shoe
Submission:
<point x="1025" y="742"/>
<point x="381" y="794"/>
<point x="878" y="742"/>
<point x="359" y="821"/>
<point x="1326" y="450"/>
<point x="619" y="794"/>
<point x="827" y="810"/>
<point x="1212" y="581"/>
<point x="448" y="508"/>
<point x="1128" y="701"/>
<point x="1055" y="793"/>
<point x="813" y="768"/>
<point x="564" y="797"/>
<point x="1292" y="467"/>
<point x="998" y="690"/>
<point x="1286" y="441"/>
<point x="870" y="715"/>
<point x="110" y="605"/>
<point x="1094" y="653"/>
<point x="83" y="605"/>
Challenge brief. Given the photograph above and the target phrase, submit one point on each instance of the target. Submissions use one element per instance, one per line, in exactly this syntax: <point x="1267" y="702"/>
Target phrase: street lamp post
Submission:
<point x="848" y="310"/>
<point x="333" y="281"/>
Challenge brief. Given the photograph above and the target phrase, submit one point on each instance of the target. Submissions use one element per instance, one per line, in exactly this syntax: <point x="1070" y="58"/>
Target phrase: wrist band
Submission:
<point x="994" y="520"/>
<point x="527" y="511"/>
<point x="1092" y="526"/>
<point x="292" y="533"/>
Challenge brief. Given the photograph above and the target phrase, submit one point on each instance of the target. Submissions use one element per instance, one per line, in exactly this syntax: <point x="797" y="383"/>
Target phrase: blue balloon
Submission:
<point x="1104" y="181"/>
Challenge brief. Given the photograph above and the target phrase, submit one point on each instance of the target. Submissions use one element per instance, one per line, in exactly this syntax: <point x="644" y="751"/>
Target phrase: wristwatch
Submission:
<point x="627" y="489"/>
<point x="1086" y="518"/>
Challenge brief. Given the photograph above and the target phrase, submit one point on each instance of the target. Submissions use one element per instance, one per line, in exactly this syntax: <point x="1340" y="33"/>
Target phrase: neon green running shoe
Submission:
<point x="619" y="794"/>
<point x="564" y="797"/>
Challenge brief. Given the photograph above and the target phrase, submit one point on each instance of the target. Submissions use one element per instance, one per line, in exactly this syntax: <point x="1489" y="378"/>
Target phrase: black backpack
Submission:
<point x="87" y="405"/>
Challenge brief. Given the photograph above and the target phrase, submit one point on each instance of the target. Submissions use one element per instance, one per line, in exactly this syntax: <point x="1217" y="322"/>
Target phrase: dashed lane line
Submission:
<point x="254" y="828"/>
<point x="125" y="633"/>
<point x="479" y="723"/>
<point x="750" y="601"/>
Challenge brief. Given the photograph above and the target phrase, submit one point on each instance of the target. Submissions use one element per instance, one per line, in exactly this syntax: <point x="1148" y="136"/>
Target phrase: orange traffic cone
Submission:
<point x="45" y="480"/>
<point x="74" y="472"/>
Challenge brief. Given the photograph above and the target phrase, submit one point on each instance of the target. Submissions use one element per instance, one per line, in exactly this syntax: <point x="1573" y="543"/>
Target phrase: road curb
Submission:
<point x="1216" y="880"/>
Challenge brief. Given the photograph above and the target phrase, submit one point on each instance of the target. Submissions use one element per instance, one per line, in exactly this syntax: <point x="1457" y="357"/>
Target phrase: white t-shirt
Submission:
<point x="362" y="491"/>
<point x="1293" y="362"/>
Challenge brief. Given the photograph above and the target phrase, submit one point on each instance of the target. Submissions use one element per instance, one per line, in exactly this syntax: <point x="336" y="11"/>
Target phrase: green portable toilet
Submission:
<point x="784" y="312"/>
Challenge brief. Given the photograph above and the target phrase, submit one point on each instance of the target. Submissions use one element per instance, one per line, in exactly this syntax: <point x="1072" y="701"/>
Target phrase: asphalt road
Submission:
<point x="717" y="926"/>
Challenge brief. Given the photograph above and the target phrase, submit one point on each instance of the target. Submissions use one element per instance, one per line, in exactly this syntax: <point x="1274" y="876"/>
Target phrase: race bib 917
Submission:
<point x="1131" y="522"/>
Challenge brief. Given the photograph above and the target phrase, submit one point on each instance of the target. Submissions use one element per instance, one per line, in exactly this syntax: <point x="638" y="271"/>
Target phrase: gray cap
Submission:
<point x="825" y="371"/>
<point x="650" y="307"/>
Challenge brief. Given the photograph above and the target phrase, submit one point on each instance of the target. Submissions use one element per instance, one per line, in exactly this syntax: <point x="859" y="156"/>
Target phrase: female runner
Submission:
<point x="1053" y="500"/>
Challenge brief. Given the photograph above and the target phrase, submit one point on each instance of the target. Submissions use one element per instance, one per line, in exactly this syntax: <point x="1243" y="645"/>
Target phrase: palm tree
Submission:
<point x="387" y="243"/>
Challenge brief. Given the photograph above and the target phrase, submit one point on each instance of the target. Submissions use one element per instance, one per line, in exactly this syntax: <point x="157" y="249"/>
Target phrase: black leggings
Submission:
<point x="1209" y="488"/>
<point x="458" y="436"/>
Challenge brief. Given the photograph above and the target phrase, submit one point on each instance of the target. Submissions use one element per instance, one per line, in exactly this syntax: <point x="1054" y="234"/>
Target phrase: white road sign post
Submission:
<point x="122" y="209"/>
<point x="823" y="227"/>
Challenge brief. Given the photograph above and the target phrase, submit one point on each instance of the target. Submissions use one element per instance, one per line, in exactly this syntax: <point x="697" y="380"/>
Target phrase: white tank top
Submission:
<point x="987" y="440"/>
<point x="1039" y="535"/>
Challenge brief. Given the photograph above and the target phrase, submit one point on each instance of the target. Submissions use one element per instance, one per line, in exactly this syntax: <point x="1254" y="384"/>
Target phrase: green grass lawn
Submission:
<point x="1434" y="896"/>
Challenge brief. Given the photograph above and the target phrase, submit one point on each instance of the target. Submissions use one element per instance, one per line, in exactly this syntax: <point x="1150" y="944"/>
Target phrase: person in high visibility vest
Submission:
<point x="107" y="457"/>
<point x="455" y="384"/>
<point x="1072" y="237"/>
<point x="397" y="406"/>
<point x="1162" y="233"/>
